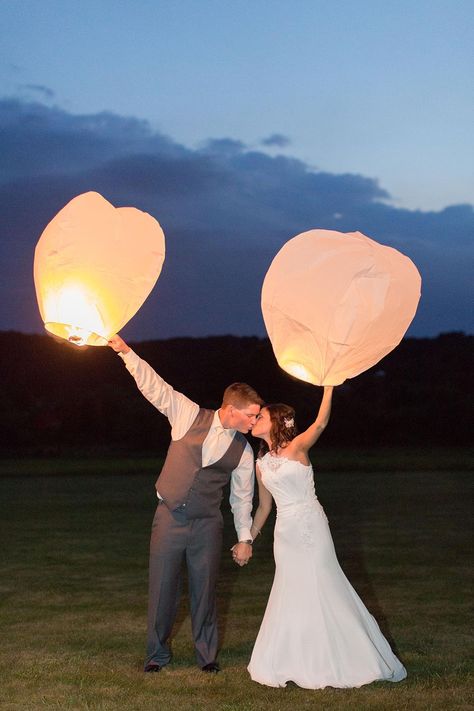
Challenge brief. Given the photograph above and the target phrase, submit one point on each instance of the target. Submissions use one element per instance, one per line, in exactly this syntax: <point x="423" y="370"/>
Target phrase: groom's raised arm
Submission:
<point x="179" y="409"/>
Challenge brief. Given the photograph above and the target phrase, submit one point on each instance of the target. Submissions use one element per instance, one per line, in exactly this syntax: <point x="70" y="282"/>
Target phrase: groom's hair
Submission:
<point x="241" y="395"/>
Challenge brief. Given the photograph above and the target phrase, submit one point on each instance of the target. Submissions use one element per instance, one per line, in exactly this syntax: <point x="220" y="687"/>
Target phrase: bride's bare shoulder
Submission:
<point x="295" y="454"/>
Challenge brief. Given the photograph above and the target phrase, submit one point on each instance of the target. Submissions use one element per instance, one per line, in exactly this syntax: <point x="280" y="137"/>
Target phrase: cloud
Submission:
<point x="44" y="91"/>
<point x="40" y="140"/>
<point x="278" y="140"/>
<point x="223" y="146"/>
<point x="225" y="210"/>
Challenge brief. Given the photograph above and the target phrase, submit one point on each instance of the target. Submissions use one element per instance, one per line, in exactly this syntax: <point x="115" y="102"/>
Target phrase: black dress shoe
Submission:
<point x="153" y="668"/>
<point x="212" y="668"/>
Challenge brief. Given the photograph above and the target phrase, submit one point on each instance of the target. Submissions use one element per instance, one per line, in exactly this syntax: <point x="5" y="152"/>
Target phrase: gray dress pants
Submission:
<point x="198" y="542"/>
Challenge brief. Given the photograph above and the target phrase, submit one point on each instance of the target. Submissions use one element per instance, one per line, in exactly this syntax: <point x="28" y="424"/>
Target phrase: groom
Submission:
<point x="207" y="449"/>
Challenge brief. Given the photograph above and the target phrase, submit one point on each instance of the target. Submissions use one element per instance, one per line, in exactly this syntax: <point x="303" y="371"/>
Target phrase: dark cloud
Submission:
<point x="152" y="175"/>
<point x="40" y="140"/>
<point x="277" y="140"/>
<point x="225" y="209"/>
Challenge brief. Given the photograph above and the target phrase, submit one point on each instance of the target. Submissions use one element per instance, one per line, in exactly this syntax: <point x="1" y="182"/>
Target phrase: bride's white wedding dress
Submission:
<point x="316" y="631"/>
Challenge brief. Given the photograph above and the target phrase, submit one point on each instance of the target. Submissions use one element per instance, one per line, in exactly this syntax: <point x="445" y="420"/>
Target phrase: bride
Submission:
<point x="316" y="631"/>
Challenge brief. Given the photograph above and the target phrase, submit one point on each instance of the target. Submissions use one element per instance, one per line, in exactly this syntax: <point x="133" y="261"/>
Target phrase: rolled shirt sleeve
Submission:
<point x="179" y="409"/>
<point x="241" y="494"/>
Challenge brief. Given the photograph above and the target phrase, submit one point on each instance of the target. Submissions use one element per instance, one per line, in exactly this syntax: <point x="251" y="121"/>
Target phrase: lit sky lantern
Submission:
<point x="334" y="304"/>
<point x="94" y="266"/>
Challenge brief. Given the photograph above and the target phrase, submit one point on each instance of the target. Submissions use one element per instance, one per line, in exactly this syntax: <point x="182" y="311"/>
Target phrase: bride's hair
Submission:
<point x="283" y="429"/>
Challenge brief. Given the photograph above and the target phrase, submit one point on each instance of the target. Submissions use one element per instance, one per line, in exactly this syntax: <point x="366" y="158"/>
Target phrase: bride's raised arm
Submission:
<point x="306" y="439"/>
<point x="264" y="506"/>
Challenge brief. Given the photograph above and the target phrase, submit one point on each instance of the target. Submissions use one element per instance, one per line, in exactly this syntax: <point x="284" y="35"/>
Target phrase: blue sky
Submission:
<point x="237" y="125"/>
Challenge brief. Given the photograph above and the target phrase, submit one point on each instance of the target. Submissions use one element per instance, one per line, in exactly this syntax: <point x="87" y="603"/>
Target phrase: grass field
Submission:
<point x="74" y="577"/>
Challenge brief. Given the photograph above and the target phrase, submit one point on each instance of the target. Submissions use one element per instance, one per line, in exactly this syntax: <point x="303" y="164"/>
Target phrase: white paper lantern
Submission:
<point x="334" y="304"/>
<point x="94" y="267"/>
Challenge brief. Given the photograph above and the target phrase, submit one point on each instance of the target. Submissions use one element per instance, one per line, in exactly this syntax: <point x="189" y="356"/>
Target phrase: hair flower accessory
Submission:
<point x="289" y="422"/>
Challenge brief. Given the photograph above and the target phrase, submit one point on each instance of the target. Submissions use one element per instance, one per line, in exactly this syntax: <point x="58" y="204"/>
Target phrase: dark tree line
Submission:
<point x="57" y="398"/>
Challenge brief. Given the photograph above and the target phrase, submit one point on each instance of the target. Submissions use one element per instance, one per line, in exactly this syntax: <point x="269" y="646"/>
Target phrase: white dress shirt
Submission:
<point x="181" y="413"/>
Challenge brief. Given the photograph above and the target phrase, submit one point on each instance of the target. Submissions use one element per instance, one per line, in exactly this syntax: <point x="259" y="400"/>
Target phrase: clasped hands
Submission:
<point x="241" y="553"/>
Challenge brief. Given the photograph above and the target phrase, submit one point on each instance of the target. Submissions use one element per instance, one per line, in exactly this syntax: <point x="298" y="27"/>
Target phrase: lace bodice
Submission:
<point x="288" y="481"/>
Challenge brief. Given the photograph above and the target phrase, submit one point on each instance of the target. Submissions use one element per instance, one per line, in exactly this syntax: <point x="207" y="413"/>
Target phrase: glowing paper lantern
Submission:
<point x="94" y="267"/>
<point x="334" y="304"/>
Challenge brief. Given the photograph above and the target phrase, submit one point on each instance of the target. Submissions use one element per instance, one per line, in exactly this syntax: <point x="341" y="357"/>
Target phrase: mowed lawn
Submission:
<point x="74" y="589"/>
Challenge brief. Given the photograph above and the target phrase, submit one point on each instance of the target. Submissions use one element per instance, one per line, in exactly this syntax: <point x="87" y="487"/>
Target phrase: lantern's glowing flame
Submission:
<point x="297" y="370"/>
<point x="78" y="336"/>
<point x="75" y="309"/>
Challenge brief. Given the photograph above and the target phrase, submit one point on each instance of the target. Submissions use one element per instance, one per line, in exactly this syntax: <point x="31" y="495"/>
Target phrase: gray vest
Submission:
<point x="183" y="479"/>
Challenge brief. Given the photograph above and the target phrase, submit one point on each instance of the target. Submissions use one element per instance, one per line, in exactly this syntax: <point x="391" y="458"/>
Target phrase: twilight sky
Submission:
<point x="238" y="125"/>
